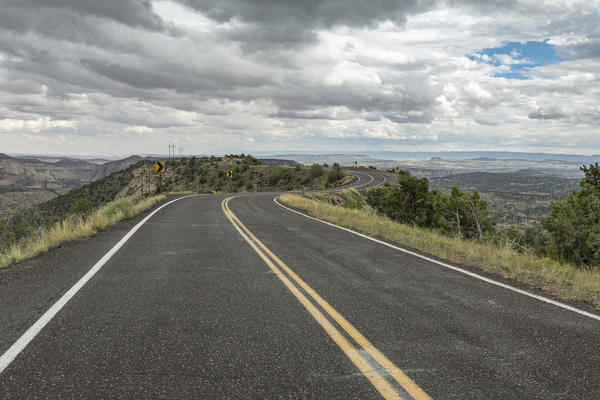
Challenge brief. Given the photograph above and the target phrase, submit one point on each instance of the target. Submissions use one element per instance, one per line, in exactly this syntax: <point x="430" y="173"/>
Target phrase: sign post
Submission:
<point x="229" y="176"/>
<point x="159" y="166"/>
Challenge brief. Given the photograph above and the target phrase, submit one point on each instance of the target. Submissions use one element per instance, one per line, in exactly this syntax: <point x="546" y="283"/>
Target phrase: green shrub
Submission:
<point x="352" y="204"/>
<point x="117" y="206"/>
<point x="316" y="171"/>
<point x="83" y="207"/>
<point x="574" y="226"/>
<point x="279" y="175"/>
<point x="335" y="174"/>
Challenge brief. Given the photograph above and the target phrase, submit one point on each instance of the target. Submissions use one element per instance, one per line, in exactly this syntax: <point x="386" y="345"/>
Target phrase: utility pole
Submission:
<point x="142" y="176"/>
<point x="172" y="154"/>
<point x="147" y="176"/>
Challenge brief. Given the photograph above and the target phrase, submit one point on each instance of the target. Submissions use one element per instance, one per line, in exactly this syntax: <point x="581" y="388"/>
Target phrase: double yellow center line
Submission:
<point x="374" y="373"/>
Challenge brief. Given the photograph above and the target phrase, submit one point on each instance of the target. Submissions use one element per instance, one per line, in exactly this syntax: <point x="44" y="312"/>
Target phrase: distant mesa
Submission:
<point x="132" y="158"/>
<point x="485" y="159"/>
<point x="436" y="159"/>
<point x="70" y="161"/>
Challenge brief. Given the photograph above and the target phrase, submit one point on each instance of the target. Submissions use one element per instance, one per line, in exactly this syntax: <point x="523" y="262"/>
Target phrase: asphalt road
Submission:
<point x="365" y="179"/>
<point x="188" y="308"/>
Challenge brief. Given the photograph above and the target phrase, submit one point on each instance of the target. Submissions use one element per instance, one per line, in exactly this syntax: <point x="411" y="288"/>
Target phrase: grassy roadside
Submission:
<point x="76" y="227"/>
<point x="562" y="280"/>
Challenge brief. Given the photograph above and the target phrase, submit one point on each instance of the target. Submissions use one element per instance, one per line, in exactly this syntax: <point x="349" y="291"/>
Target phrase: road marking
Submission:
<point x="366" y="184"/>
<point x="32" y="332"/>
<point x="376" y="379"/>
<point x="452" y="267"/>
<point x="351" y="185"/>
<point x="355" y="184"/>
<point x="384" y="180"/>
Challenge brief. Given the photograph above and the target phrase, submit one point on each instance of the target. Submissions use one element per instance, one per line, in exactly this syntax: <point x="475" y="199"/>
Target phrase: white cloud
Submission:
<point x="138" y="129"/>
<point x="34" y="126"/>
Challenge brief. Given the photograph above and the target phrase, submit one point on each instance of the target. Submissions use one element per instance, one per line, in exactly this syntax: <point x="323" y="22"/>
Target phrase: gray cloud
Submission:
<point x="543" y="113"/>
<point x="486" y="121"/>
<point x="175" y="76"/>
<point x="587" y="49"/>
<point x="296" y="115"/>
<point x="136" y="13"/>
<point x="309" y="14"/>
<point x="267" y="25"/>
<point x="284" y="69"/>
<point x="418" y="118"/>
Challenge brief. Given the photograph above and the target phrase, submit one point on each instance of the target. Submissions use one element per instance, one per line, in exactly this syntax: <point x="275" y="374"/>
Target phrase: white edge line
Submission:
<point x="355" y="184"/>
<point x="384" y="179"/>
<point x="443" y="264"/>
<point x="31" y="333"/>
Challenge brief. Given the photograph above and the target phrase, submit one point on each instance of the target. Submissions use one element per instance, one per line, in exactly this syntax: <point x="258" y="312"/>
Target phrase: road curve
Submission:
<point x="366" y="179"/>
<point x="188" y="308"/>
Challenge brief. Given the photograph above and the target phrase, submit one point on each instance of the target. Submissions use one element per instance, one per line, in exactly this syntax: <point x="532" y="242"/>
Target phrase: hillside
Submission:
<point x="26" y="181"/>
<point x="208" y="175"/>
<point x="200" y="175"/>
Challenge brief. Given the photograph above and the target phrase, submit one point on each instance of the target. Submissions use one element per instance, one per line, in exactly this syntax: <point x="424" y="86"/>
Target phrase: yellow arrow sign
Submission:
<point x="229" y="174"/>
<point x="159" y="166"/>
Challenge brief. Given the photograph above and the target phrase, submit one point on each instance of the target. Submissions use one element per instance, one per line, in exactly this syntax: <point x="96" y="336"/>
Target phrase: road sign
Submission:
<point x="159" y="166"/>
<point x="229" y="174"/>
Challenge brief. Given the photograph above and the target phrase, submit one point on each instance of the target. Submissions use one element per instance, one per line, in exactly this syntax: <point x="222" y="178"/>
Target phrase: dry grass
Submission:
<point x="562" y="280"/>
<point x="75" y="227"/>
<point x="180" y="192"/>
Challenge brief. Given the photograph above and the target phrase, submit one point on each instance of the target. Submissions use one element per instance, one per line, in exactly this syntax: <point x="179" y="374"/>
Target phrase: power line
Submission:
<point x="171" y="154"/>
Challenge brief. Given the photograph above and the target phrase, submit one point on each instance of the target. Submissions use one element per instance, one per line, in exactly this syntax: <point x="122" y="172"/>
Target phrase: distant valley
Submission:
<point x="439" y="166"/>
<point x="25" y="181"/>
<point x="519" y="198"/>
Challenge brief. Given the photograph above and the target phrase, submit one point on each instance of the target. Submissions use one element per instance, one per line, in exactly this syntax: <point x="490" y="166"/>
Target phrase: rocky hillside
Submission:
<point x="209" y="175"/>
<point x="26" y="181"/>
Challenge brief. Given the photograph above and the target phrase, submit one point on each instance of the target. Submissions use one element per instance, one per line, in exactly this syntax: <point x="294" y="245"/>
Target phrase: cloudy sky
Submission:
<point x="130" y="76"/>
